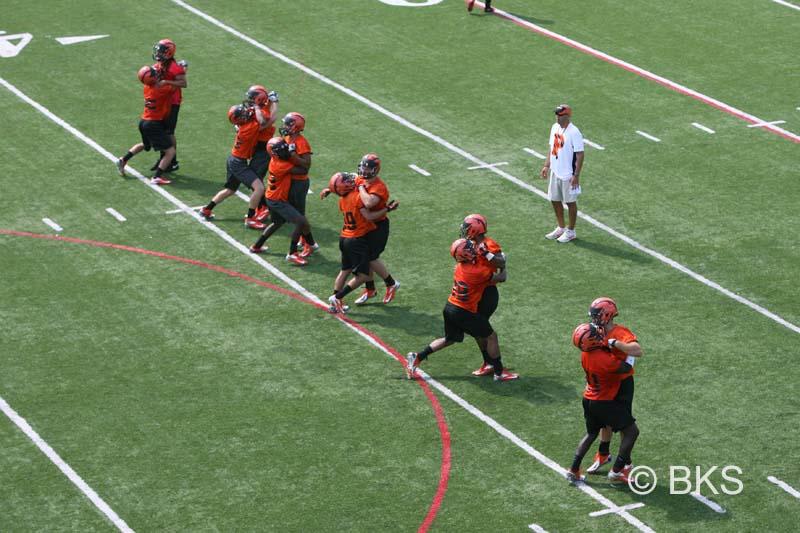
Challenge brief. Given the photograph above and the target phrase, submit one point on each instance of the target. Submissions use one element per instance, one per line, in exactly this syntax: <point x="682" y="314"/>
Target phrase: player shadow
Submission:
<point x="681" y="508"/>
<point x="202" y="186"/>
<point x="396" y="316"/>
<point x="618" y="252"/>
<point x="533" y="20"/>
<point x="534" y="389"/>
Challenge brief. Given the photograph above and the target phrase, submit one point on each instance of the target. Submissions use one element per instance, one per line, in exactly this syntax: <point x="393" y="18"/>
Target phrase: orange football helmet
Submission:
<point x="370" y="166"/>
<point x="240" y="114"/>
<point x="342" y="183"/>
<point x="473" y="226"/>
<point x="463" y="251"/>
<point x="588" y="337"/>
<point x="256" y="95"/>
<point x="148" y="75"/>
<point x="602" y="310"/>
<point x="163" y="50"/>
<point x="293" y="123"/>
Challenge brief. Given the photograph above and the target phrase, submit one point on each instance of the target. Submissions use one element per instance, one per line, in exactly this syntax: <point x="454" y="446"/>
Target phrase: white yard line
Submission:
<point x="701" y="127"/>
<point x="52" y="224"/>
<point x="172" y="212"/>
<point x="648" y="136"/>
<point x="422" y="171"/>
<point x="714" y="506"/>
<point x="787" y="4"/>
<point x="502" y="430"/>
<point x="488" y="165"/>
<point x="629" y="507"/>
<point x="79" y="39"/>
<point x="537" y="528"/>
<point x="593" y="144"/>
<point x="67" y="470"/>
<point x="534" y="153"/>
<point x="505" y="175"/>
<point x="785" y="486"/>
<point x="243" y="196"/>
<point x="677" y="87"/>
<point x="116" y="214"/>
<point x="764" y="124"/>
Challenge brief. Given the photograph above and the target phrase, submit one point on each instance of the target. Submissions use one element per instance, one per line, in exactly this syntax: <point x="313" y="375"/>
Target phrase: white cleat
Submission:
<point x="555" y="234"/>
<point x="568" y="235"/>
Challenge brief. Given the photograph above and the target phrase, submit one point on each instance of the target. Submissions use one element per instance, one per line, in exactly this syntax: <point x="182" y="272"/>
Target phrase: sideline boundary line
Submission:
<point x="505" y="175"/>
<point x="56" y="459"/>
<point x="357" y="328"/>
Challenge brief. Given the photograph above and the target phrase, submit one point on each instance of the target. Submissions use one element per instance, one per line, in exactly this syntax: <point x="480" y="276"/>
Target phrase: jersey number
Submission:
<point x="349" y="221"/>
<point x="460" y="291"/>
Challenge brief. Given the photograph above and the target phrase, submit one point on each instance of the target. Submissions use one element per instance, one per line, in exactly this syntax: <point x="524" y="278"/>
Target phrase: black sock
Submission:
<point x="158" y="172"/>
<point x="620" y="463"/>
<point x="486" y="359"/>
<point x="344" y="292"/>
<point x="425" y="352"/>
<point x="576" y="463"/>
<point x="262" y="202"/>
<point x="389" y="280"/>
<point x="370" y="285"/>
<point x="211" y="205"/>
<point x="251" y="213"/>
<point x="127" y="157"/>
<point x="293" y="245"/>
<point x="309" y="239"/>
<point x="498" y="366"/>
<point x="260" y="242"/>
<point x="604" y="448"/>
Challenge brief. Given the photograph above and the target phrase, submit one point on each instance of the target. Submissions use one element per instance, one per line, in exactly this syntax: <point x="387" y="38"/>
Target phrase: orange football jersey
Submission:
<point x="469" y="282"/>
<point x="267" y="134"/>
<point x="279" y="180"/>
<point x="245" y="140"/>
<point x="157" y="102"/>
<point x="602" y="381"/>
<point x="355" y="224"/>
<point x="301" y="148"/>
<point x="377" y="187"/>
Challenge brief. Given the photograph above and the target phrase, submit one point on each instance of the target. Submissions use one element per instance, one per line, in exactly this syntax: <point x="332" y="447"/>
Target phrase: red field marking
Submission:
<point x="441" y="422"/>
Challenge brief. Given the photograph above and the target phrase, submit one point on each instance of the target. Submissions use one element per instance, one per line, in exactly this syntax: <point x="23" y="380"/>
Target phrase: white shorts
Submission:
<point x="560" y="190"/>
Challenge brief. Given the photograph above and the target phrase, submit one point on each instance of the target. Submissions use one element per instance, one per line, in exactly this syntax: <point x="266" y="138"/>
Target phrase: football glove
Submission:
<point x="391" y="206"/>
<point x="273" y="96"/>
<point x="292" y="147"/>
<point x="183" y="63"/>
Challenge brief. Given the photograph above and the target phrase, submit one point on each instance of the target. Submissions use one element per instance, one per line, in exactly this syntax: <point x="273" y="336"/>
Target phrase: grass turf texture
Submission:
<point x="192" y="401"/>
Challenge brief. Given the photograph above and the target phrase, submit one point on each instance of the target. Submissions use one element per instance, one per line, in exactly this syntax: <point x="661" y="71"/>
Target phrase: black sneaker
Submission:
<point x="173" y="166"/>
<point x="488" y="9"/>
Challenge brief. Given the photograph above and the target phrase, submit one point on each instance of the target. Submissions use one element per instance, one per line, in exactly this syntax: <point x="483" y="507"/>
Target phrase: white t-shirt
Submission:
<point x="564" y="143"/>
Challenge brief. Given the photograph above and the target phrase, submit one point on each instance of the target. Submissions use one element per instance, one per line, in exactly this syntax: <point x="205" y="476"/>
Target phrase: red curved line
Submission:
<point x="444" y="431"/>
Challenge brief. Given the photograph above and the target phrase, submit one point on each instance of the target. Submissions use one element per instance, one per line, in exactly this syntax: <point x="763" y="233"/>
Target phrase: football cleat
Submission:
<point x="366" y="295"/>
<point x="506" y="376"/>
<point x="390" y="292"/>
<point x="568" y="235"/>
<point x="308" y="249"/>
<point x="621" y="476"/>
<point x="484" y="370"/>
<point x="258" y="249"/>
<point x="336" y="305"/>
<point x="488" y="9"/>
<point x="555" y="234"/>
<point x="412" y="364"/>
<point x="262" y="214"/>
<point x="174" y="166"/>
<point x="206" y="213"/>
<point x="599" y="461"/>
<point x="121" y="167"/>
<point x="575" y="476"/>
<point x="296" y="259"/>
<point x="160" y="181"/>
<point x="252" y="223"/>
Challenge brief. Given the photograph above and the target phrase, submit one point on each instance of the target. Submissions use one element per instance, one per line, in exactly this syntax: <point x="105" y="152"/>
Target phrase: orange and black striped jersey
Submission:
<point x="355" y="224"/>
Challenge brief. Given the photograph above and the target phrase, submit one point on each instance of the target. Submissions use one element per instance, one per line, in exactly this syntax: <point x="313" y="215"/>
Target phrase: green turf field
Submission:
<point x="194" y="397"/>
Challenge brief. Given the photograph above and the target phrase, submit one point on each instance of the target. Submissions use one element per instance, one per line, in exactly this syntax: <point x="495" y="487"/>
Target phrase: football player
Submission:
<point x="474" y="227"/>
<point x="460" y="313"/>
<point x="375" y="195"/>
<point x="601" y="407"/>
<point x="300" y="151"/>
<point x="157" y="102"/>
<point x="257" y="95"/>
<point x="281" y="210"/>
<point x="173" y="73"/>
<point x="248" y="121"/>
<point x="624" y="346"/>
<point x="353" y="243"/>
